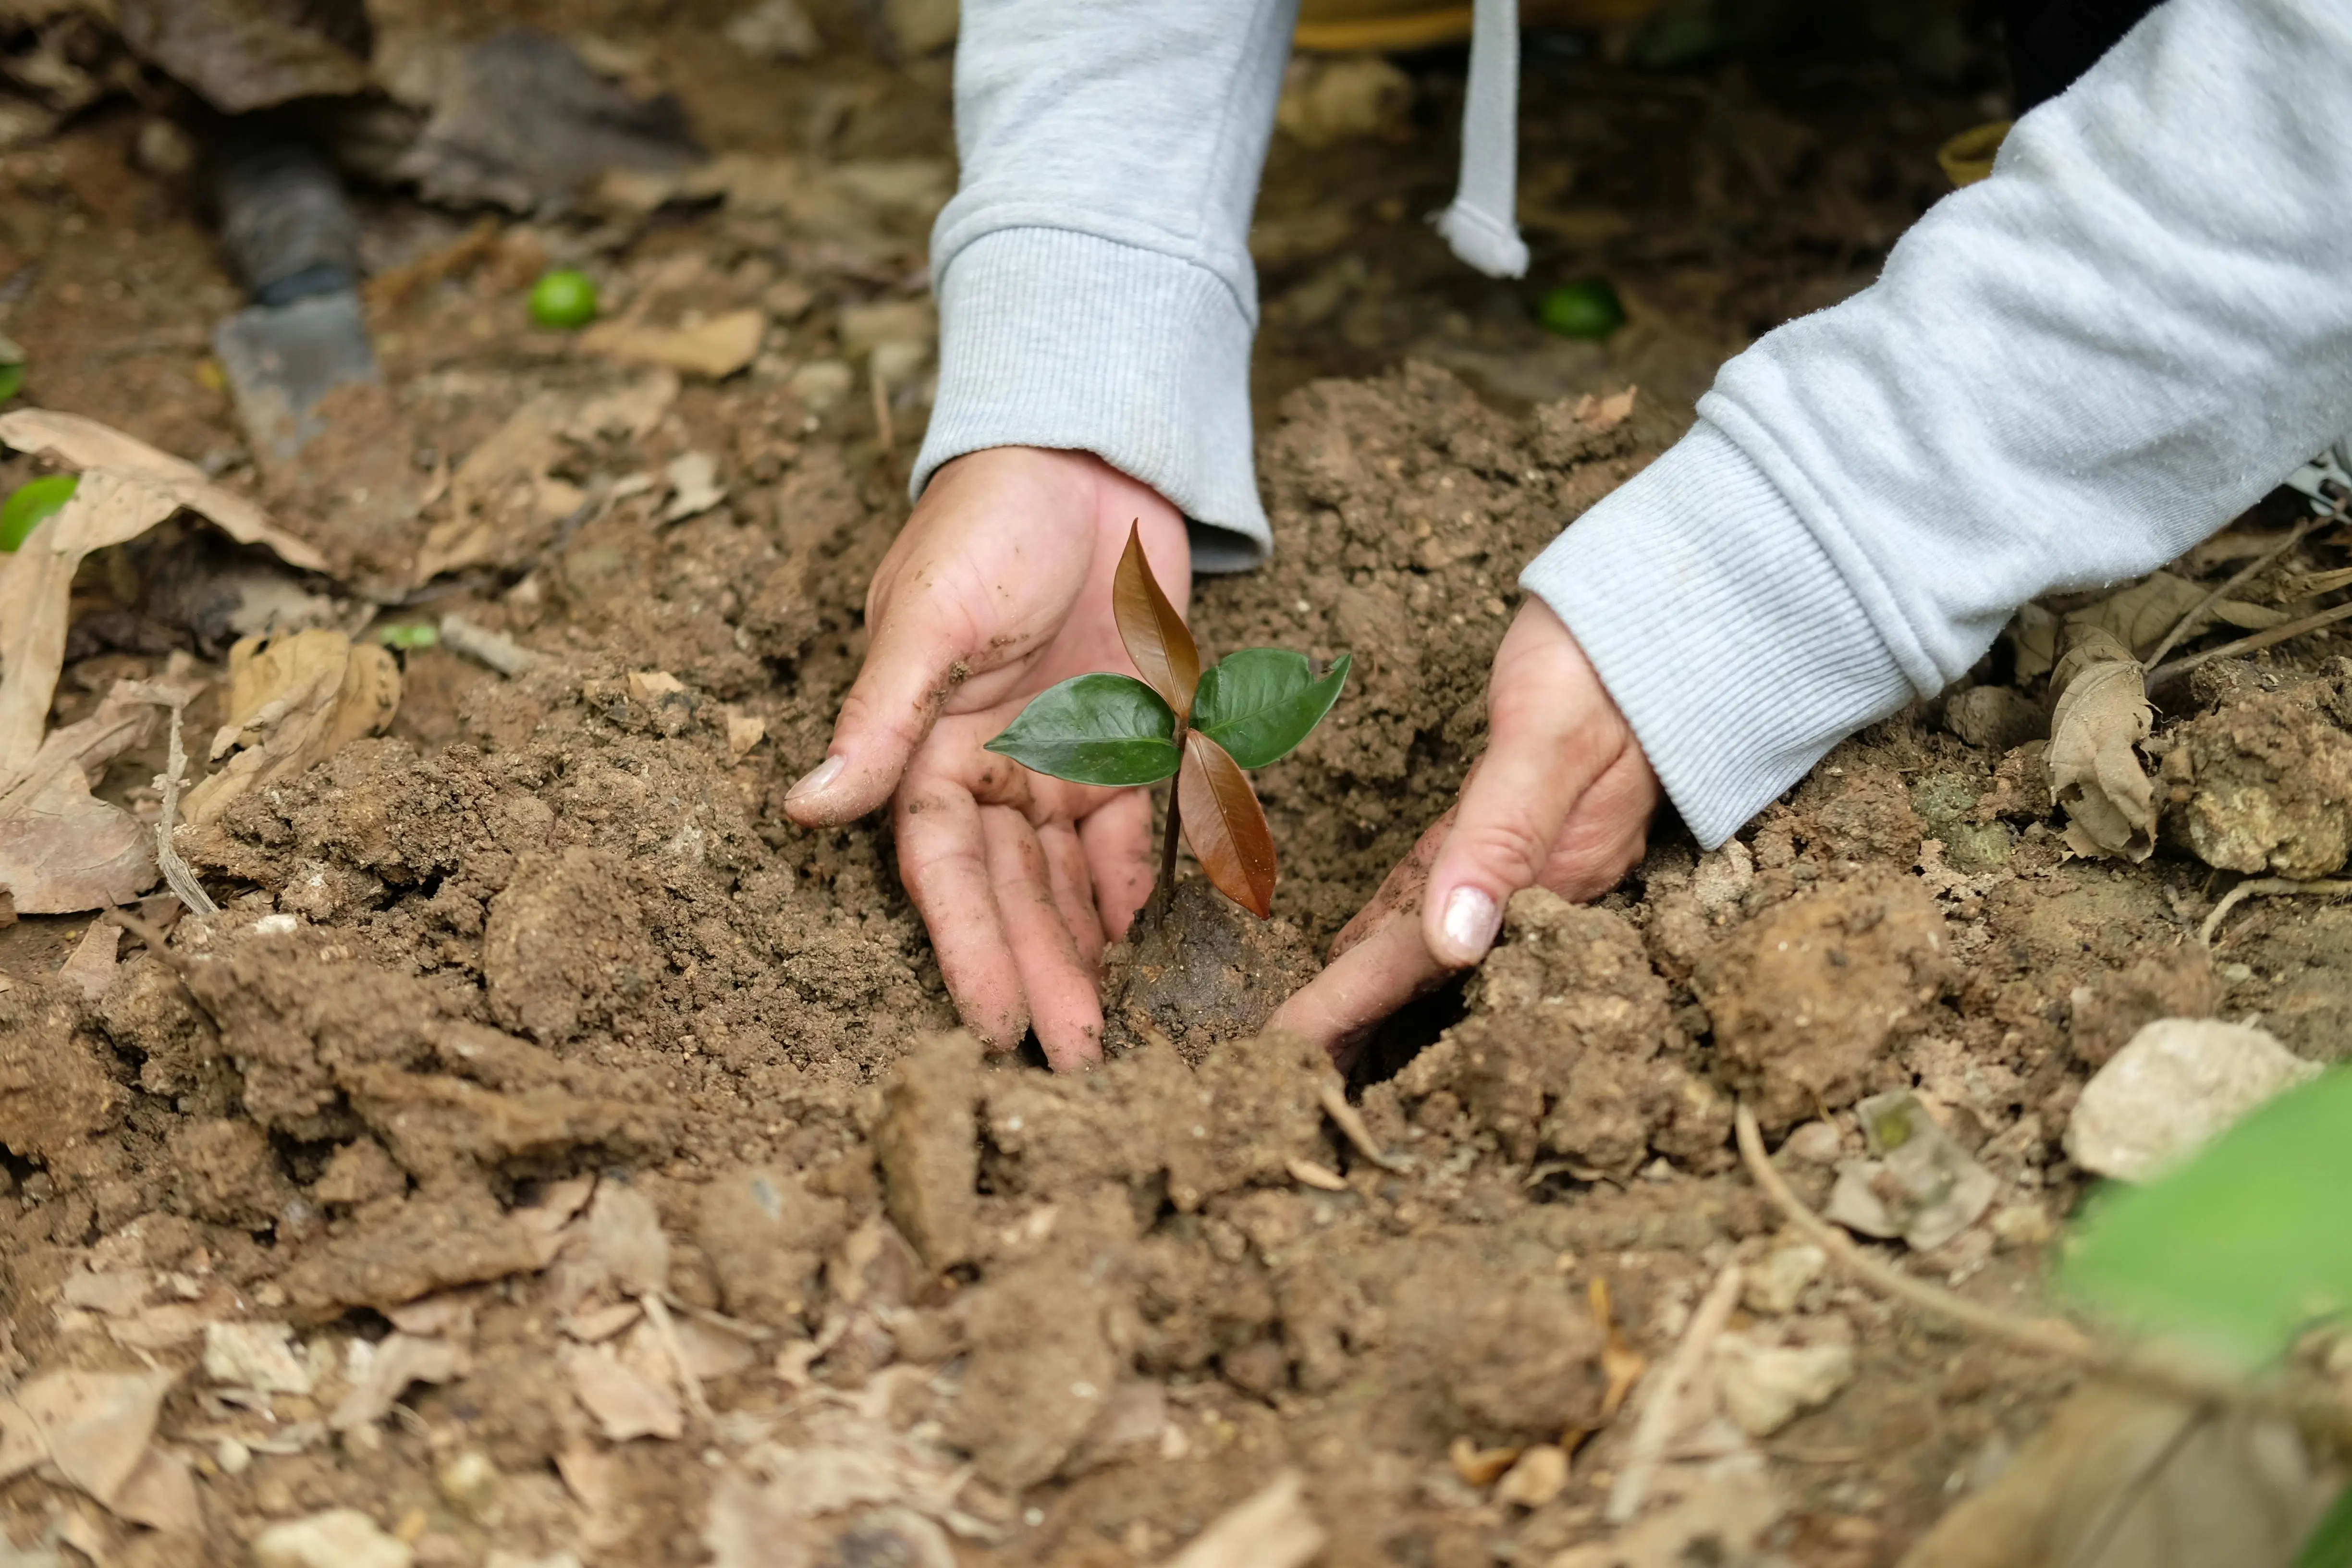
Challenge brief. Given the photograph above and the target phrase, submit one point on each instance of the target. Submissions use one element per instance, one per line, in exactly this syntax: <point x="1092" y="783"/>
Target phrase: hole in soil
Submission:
<point x="1408" y="1032"/>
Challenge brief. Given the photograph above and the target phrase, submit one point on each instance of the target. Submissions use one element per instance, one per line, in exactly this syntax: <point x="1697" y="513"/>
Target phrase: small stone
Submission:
<point x="339" y="1538"/>
<point x="2177" y="1084"/>
<point x="469" y="1481"/>
<point x="1775" y="1284"/>
<point x="1815" y="1144"/>
<point x="1765" y="1386"/>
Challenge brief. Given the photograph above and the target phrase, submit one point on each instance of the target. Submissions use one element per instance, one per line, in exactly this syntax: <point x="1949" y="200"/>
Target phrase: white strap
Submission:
<point x="1480" y="225"/>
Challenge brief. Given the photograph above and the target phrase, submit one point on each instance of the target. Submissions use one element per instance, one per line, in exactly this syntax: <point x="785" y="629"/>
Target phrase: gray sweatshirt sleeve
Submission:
<point x="2066" y="375"/>
<point x="1093" y="272"/>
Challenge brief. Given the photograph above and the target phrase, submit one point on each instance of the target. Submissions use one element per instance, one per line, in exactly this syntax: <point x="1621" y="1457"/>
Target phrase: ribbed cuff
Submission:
<point x="1718" y="623"/>
<point x="1053" y="338"/>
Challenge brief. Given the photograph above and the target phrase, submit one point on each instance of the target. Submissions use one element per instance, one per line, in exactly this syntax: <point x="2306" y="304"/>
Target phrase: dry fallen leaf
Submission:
<point x="61" y="848"/>
<point x="259" y="1356"/>
<point x="504" y="498"/>
<point x="293" y="701"/>
<point x="161" y="1494"/>
<point x="398" y="1360"/>
<point x="2102" y="716"/>
<point x="623" y="1236"/>
<point x="94" y="1427"/>
<point x="714" y="348"/>
<point x="1480" y="1468"/>
<point x="625" y="1405"/>
<point x="2137" y="616"/>
<point x="91" y="964"/>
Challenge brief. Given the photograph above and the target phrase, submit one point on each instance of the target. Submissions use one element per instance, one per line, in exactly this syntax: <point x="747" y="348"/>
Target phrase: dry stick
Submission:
<point x="657" y="1313"/>
<point x="2262" y="886"/>
<point x="2046" y="1336"/>
<point x="1661" y="1407"/>
<point x="2260" y="640"/>
<point x="177" y="873"/>
<point x="2181" y="627"/>
<point x="884" y="427"/>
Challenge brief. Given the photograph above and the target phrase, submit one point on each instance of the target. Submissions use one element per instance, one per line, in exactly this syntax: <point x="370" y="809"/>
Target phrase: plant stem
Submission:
<point x="1163" y="892"/>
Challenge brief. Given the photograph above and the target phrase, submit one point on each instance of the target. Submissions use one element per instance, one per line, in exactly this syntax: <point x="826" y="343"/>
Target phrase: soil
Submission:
<point x="536" y="1052"/>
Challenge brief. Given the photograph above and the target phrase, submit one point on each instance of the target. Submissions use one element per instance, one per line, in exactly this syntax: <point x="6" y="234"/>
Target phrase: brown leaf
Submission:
<point x="93" y="1426"/>
<point x="1225" y="826"/>
<point x="2102" y="715"/>
<point x="162" y="1495"/>
<point x="1274" y="1528"/>
<point x="1155" y="635"/>
<point x="398" y="1360"/>
<point x="715" y="349"/>
<point x="293" y="701"/>
<point x="625" y="1405"/>
<point x="62" y="849"/>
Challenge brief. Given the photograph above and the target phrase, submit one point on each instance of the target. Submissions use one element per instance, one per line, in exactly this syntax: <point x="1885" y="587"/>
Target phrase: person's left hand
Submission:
<point x="1561" y="799"/>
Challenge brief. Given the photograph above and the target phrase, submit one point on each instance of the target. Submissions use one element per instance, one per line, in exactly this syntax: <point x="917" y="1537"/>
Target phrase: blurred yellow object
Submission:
<point x="1346" y="25"/>
<point x="1968" y="157"/>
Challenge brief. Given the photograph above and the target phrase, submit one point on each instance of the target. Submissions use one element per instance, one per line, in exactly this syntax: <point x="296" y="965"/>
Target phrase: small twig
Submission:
<point x="1661" y="1407"/>
<point x="177" y="873"/>
<point x="2254" y="644"/>
<point x="2314" y="1414"/>
<point x="2181" y="627"/>
<point x="666" y="1329"/>
<point x="498" y="650"/>
<point x="2263" y="887"/>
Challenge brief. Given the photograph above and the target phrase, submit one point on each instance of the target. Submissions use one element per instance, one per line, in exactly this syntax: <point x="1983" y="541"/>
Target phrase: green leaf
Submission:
<point x="1095" y="730"/>
<point x="11" y="380"/>
<point x="1260" y="702"/>
<point x="2330" y="1545"/>
<point x="2245" y="1246"/>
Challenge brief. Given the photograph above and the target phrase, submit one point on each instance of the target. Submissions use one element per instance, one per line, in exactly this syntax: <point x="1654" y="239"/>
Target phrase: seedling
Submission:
<point x="1205" y="727"/>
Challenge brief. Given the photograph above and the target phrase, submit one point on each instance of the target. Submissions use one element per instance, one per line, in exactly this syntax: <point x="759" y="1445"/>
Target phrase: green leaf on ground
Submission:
<point x="1095" y="730"/>
<point x="1260" y="702"/>
<point x="12" y="381"/>
<point x="32" y="504"/>
<point x="2242" y="1249"/>
<point x="2330" y="1545"/>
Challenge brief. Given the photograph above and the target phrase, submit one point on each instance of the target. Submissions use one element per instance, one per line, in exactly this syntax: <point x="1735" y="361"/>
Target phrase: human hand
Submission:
<point x="999" y="587"/>
<point x="1561" y="799"/>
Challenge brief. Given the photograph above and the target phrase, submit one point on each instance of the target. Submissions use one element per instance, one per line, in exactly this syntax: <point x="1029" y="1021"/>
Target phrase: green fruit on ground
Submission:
<point x="32" y="505"/>
<point x="1589" y="308"/>
<point x="564" y="301"/>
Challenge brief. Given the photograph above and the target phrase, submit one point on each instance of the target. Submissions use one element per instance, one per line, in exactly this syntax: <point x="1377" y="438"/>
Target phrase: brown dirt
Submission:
<point x="554" y="931"/>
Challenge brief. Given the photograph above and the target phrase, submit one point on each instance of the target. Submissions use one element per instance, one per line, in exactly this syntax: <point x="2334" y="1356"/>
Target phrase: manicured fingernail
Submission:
<point x="1471" y="922"/>
<point x="818" y="779"/>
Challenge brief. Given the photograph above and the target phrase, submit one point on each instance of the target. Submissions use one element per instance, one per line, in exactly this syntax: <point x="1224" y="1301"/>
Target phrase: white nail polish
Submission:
<point x="818" y="779"/>
<point x="1471" y="922"/>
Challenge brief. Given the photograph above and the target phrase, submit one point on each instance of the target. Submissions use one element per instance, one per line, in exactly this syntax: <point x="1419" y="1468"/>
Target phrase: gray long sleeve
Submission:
<point x="1095" y="291"/>
<point x="2066" y="375"/>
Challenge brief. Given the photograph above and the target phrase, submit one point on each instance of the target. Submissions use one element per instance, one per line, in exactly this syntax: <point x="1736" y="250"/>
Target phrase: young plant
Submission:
<point x="1205" y="727"/>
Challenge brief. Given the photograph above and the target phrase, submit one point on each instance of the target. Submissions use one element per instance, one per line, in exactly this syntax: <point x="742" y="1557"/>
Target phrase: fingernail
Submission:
<point x="1471" y="922"/>
<point x="818" y="779"/>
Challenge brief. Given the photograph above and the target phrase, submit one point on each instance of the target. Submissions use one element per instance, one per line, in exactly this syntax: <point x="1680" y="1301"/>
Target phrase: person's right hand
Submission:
<point x="998" y="587"/>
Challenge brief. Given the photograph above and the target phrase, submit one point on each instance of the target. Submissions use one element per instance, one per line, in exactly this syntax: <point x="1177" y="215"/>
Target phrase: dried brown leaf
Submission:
<point x="1155" y="635"/>
<point x="625" y="1405"/>
<point x="2102" y="716"/>
<point x="1480" y="1468"/>
<point x="91" y="965"/>
<point x="1225" y="825"/>
<point x="94" y="1427"/>
<point x="623" y="1236"/>
<point x="62" y="849"/>
<point x="293" y="701"/>
<point x="716" y="348"/>
<point x="398" y="1360"/>
<point x="161" y="1494"/>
